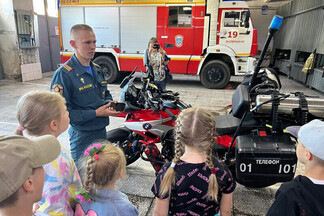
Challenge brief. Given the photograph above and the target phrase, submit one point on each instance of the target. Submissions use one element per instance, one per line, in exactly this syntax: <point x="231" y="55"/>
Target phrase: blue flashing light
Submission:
<point x="276" y="22"/>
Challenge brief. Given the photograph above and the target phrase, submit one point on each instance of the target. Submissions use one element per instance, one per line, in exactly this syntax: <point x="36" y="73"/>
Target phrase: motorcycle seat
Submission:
<point x="227" y="124"/>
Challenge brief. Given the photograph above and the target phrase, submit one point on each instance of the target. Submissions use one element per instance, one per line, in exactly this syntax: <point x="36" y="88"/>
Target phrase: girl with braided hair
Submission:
<point x="194" y="183"/>
<point x="102" y="166"/>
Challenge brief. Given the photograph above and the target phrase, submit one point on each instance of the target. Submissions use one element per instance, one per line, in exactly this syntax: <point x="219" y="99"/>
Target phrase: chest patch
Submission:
<point x="85" y="87"/>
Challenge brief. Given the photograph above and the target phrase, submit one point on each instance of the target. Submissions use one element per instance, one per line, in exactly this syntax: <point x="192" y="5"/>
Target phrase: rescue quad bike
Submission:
<point x="252" y="139"/>
<point x="149" y="119"/>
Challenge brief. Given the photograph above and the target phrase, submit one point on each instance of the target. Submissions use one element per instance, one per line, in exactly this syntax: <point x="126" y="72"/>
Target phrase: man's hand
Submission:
<point x="106" y="110"/>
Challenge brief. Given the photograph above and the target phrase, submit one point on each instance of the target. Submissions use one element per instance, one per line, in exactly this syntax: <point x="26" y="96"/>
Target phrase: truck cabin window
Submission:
<point x="180" y="16"/>
<point x="244" y="15"/>
<point x="232" y="19"/>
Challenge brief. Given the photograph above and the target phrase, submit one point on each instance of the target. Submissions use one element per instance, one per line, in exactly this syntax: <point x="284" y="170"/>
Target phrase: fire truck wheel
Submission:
<point x="215" y="75"/>
<point x="108" y="67"/>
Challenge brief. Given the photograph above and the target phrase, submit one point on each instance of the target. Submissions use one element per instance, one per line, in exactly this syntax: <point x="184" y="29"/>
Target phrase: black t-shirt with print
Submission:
<point x="300" y="197"/>
<point x="189" y="195"/>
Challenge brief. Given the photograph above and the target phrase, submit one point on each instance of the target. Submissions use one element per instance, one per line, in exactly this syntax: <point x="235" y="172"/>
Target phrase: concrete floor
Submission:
<point x="140" y="175"/>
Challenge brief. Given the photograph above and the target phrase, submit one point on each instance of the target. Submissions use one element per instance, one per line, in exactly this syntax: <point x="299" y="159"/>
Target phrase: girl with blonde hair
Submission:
<point x="194" y="183"/>
<point x="40" y="113"/>
<point x="102" y="166"/>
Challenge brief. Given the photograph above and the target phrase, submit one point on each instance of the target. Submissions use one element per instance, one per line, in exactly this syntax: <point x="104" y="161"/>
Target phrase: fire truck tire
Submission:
<point x="215" y="75"/>
<point x="108" y="67"/>
<point x="119" y="137"/>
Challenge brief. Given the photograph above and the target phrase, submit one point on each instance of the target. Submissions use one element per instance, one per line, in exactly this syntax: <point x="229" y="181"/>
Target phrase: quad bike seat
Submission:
<point x="227" y="124"/>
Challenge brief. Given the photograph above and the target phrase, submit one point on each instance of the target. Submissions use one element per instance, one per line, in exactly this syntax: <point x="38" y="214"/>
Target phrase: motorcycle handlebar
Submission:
<point x="159" y="104"/>
<point x="131" y="74"/>
<point x="169" y="112"/>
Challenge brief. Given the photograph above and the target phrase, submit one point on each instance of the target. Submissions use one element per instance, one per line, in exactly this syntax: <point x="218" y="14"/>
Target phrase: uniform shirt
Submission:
<point x="62" y="180"/>
<point x="107" y="203"/>
<point x="83" y="93"/>
<point x="188" y="195"/>
<point x="299" y="197"/>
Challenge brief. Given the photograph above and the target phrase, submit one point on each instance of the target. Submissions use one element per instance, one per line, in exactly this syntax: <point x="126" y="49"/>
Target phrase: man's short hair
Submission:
<point x="78" y="27"/>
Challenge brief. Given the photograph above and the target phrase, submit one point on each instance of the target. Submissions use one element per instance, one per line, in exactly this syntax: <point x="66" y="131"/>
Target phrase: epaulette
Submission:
<point x="66" y="68"/>
<point x="98" y="66"/>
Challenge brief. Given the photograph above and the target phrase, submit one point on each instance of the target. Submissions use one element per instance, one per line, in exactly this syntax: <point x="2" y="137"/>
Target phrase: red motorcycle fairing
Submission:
<point x="142" y="122"/>
<point x="152" y="126"/>
<point x="139" y="118"/>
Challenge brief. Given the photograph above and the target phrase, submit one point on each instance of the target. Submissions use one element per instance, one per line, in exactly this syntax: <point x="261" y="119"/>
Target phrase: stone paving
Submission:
<point x="140" y="175"/>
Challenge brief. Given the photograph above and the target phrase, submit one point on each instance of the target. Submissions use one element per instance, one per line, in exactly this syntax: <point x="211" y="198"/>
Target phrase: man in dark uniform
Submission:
<point x="82" y="84"/>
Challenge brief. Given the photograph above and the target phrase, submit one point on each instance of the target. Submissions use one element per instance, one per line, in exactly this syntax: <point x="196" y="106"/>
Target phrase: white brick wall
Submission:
<point x="31" y="71"/>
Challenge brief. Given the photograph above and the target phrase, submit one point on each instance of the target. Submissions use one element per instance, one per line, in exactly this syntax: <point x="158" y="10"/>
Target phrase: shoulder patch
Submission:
<point x="67" y="67"/>
<point x="58" y="88"/>
<point x="98" y="66"/>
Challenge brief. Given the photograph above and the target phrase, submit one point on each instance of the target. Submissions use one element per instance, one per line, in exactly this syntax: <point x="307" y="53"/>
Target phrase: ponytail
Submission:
<point x="19" y="130"/>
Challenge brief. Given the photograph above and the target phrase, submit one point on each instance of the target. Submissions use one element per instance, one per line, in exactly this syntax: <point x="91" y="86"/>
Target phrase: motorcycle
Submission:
<point x="252" y="139"/>
<point x="149" y="119"/>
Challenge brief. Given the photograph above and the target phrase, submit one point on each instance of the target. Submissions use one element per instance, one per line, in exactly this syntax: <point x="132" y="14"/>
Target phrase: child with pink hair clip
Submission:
<point x="102" y="166"/>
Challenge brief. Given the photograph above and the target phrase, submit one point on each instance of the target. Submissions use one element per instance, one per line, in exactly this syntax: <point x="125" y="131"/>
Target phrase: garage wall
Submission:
<point x="49" y="43"/>
<point x="303" y="26"/>
<point x="9" y="51"/>
<point x="1" y="69"/>
<point x="261" y="23"/>
<point x="300" y="34"/>
<point x="26" y="5"/>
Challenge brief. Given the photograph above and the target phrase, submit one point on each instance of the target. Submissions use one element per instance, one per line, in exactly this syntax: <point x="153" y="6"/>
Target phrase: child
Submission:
<point x="41" y="113"/>
<point x="103" y="165"/>
<point x="21" y="172"/>
<point x="304" y="195"/>
<point x="194" y="183"/>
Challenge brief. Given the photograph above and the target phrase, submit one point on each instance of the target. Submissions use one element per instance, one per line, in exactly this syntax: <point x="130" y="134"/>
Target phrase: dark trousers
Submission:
<point x="80" y="140"/>
<point x="160" y="84"/>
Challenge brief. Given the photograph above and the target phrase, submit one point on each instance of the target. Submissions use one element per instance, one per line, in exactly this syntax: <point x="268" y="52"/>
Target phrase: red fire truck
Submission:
<point x="210" y="38"/>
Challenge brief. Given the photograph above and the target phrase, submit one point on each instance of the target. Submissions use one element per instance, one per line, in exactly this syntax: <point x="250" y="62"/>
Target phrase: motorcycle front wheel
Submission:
<point x="122" y="138"/>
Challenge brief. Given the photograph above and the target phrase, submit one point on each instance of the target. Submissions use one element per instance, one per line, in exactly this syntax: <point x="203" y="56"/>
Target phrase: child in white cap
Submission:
<point x="304" y="195"/>
<point x="21" y="172"/>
